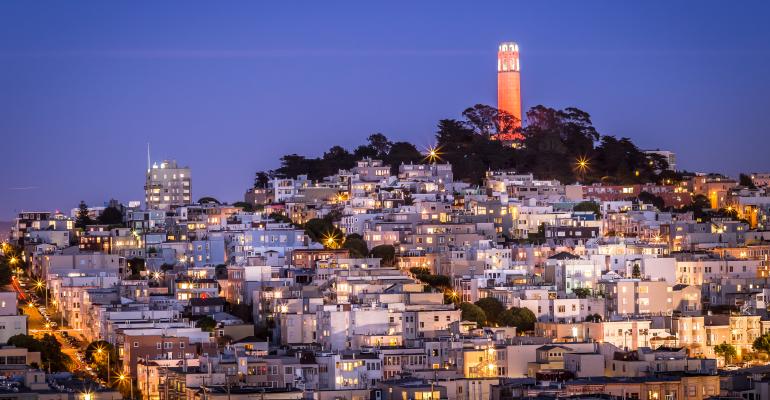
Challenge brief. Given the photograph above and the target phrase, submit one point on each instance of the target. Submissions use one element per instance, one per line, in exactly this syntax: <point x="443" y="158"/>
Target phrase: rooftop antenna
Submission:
<point x="148" y="157"/>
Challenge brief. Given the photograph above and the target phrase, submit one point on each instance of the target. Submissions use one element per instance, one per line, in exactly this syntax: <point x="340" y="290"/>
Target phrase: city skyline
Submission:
<point x="93" y="88"/>
<point x="435" y="200"/>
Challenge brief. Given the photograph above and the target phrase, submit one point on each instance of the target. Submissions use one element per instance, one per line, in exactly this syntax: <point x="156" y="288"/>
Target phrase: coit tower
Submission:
<point x="509" y="80"/>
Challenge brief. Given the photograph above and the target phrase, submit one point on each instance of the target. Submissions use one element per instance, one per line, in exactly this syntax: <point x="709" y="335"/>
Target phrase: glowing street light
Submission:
<point x="433" y="154"/>
<point x="582" y="164"/>
<point x="39" y="285"/>
<point x="331" y="241"/>
<point x="100" y="350"/>
<point x="123" y="378"/>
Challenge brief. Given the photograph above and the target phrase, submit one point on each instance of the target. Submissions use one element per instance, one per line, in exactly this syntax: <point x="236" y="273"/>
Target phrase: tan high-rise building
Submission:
<point x="167" y="185"/>
<point x="509" y="80"/>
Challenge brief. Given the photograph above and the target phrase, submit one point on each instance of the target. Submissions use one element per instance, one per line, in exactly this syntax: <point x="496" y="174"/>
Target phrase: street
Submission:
<point x="37" y="327"/>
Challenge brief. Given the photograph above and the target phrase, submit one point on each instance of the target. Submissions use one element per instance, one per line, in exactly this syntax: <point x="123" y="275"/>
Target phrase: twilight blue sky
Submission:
<point x="227" y="88"/>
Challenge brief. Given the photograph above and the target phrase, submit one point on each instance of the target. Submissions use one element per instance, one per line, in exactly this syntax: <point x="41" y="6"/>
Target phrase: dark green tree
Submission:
<point x="408" y="200"/>
<point x="220" y="271"/>
<point x="762" y="343"/>
<point x="206" y="323"/>
<point x="506" y="318"/>
<point x="472" y="312"/>
<point x="208" y="199"/>
<point x="111" y="216"/>
<point x="49" y="348"/>
<point x="726" y="350"/>
<point x="746" y="181"/>
<point x="244" y="205"/>
<point x="593" y="318"/>
<point x="468" y="147"/>
<point x="136" y="266"/>
<point x="357" y="246"/>
<point x="262" y="179"/>
<point x="335" y="159"/>
<point x="386" y="252"/>
<point x="293" y="165"/>
<point x="102" y="355"/>
<point x="522" y="318"/>
<point x="380" y="145"/>
<point x="321" y="229"/>
<point x="82" y="219"/>
<point x="441" y="282"/>
<point x="581" y="293"/>
<point x="555" y="141"/>
<point x="278" y="217"/>
<point x="402" y="153"/>
<point x="649" y="198"/>
<point x="492" y="308"/>
<point x="489" y="121"/>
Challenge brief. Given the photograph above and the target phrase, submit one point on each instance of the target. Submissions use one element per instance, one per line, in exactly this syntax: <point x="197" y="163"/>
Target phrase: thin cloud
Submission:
<point x="24" y="188"/>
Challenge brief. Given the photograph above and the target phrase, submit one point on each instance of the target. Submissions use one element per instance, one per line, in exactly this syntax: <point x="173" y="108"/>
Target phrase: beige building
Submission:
<point x="637" y="297"/>
<point x="167" y="185"/>
<point x="737" y="330"/>
<point x="690" y="332"/>
<point x="630" y="334"/>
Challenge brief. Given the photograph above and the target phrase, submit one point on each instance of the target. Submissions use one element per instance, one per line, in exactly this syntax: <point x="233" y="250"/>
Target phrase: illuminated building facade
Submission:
<point x="509" y="80"/>
<point x="167" y="185"/>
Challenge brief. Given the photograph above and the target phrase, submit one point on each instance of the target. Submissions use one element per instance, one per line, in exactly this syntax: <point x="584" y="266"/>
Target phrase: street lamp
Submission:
<point x="582" y="164"/>
<point x="39" y="285"/>
<point x="123" y="377"/>
<point x="12" y="261"/>
<point x="433" y="154"/>
<point x="99" y="350"/>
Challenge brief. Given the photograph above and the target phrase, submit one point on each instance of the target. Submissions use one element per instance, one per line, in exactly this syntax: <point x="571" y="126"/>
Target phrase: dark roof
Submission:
<point x="210" y="301"/>
<point x="564" y="256"/>
<point x="551" y="347"/>
<point x="249" y="339"/>
<point x="360" y="356"/>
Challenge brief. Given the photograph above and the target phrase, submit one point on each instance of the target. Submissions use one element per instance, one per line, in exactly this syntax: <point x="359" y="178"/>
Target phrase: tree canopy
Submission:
<point x="746" y="181"/>
<point x="322" y="230"/>
<point x="472" y="312"/>
<point x="102" y="355"/>
<point x="82" y="218"/>
<point x="492" y="308"/>
<point x="762" y="343"/>
<point x="357" y="246"/>
<point x="726" y="350"/>
<point x="520" y="317"/>
<point x="558" y="144"/>
<point x="49" y="348"/>
<point x="206" y="323"/>
<point x="386" y="252"/>
<point x="111" y="216"/>
<point x="581" y="293"/>
<point x="248" y="207"/>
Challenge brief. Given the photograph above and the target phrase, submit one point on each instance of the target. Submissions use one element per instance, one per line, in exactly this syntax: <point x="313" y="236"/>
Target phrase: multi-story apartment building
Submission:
<point x="167" y="185"/>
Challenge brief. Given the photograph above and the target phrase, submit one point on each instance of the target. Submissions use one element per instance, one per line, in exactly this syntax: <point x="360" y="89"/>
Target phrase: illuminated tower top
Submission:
<point x="508" y="57"/>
